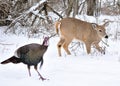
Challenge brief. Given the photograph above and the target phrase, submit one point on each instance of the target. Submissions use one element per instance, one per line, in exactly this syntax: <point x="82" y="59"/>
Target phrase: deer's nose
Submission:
<point x="106" y="36"/>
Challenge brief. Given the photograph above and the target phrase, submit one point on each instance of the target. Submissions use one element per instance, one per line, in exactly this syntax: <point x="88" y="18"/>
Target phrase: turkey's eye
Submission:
<point x="100" y="30"/>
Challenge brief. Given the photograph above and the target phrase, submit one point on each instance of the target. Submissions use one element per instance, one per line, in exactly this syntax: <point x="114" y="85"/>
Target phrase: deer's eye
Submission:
<point x="100" y="30"/>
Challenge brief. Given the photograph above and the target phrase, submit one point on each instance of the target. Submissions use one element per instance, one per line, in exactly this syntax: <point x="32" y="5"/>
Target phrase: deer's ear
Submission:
<point x="94" y="25"/>
<point x="106" y="24"/>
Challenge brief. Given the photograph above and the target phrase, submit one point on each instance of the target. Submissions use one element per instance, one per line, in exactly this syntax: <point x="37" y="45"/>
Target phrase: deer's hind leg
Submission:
<point x="59" y="45"/>
<point x="65" y="46"/>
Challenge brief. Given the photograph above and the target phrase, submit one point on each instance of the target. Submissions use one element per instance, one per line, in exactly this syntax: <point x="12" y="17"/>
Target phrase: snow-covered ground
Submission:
<point x="80" y="70"/>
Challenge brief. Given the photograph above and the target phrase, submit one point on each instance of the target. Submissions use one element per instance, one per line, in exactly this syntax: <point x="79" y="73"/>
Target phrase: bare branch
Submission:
<point x="54" y="11"/>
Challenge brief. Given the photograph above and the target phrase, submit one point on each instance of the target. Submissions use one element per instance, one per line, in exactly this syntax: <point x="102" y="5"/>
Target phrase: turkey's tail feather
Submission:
<point x="12" y="59"/>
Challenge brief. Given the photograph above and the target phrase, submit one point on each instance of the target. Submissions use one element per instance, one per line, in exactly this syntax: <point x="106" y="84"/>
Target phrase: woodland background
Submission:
<point x="20" y="13"/>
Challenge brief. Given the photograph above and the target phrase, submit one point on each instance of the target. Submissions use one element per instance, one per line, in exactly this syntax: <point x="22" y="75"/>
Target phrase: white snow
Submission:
<point x="80" y="70"/>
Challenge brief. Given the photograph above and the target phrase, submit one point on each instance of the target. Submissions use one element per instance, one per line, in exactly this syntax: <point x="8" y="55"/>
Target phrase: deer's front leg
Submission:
<point x="100" y="49"/>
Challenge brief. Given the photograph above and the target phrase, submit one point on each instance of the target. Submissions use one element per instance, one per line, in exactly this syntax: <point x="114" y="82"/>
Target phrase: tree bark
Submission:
<point x="118" y="3"/>
<point x="72" y="8"/>
<point x="69" y="8"/>
<point x="76" y="7"/>
<point x="91" y="7"/>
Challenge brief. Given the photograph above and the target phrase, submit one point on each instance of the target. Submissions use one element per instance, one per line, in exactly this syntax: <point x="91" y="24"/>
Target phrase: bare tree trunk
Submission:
<point x="69" y="8"/>
<point x="76" y="7"/>
<point x="118" y="3"/>
<point x="97" y="9"/>
<point x="72" y="7"/>
<point x="91" y="7"/>
<point x="64" y="3"/>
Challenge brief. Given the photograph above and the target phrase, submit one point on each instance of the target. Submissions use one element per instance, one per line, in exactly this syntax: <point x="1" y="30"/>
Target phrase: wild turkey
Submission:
<point x="31" y="55"/>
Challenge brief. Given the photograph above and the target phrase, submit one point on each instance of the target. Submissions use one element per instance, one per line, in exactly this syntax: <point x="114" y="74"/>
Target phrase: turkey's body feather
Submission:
<point x="31" y="54"/>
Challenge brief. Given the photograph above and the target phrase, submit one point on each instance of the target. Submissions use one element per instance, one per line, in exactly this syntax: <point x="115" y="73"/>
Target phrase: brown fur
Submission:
<point x="71" y="28"/>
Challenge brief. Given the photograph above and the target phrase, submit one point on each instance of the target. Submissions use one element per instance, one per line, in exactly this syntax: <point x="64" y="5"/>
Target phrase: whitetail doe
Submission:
<point x="89" y="33"/>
